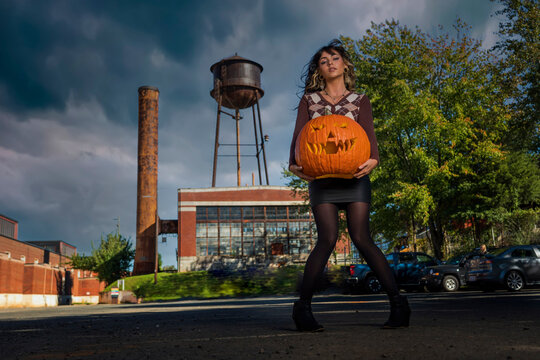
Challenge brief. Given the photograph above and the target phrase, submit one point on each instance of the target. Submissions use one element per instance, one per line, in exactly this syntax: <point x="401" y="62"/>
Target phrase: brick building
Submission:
<point x="252" y="223"/>
<point x="33" y="275"/>
<point x="57" y="246"/>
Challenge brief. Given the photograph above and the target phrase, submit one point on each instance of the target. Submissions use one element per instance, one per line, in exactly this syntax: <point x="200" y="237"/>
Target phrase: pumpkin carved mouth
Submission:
<point x="331" y="146"/>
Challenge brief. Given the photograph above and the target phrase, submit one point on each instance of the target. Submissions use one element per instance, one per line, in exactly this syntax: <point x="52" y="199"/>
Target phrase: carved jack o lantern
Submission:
<point x="332" y="146"/>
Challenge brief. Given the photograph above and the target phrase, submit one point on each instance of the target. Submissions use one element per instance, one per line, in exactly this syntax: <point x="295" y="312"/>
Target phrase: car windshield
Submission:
<point x="454" y="260"/>
<point x="496" y="252"/>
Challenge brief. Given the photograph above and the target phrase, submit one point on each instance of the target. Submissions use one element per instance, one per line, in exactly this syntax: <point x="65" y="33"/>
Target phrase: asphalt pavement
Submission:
<point x="462" y="325"/>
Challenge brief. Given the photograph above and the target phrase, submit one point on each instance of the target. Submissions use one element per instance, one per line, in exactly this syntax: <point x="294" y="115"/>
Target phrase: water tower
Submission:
<point x="237" y="85"/>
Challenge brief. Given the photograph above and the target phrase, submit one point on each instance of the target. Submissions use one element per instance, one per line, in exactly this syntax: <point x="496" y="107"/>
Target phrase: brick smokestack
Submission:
<point x="147" y="174"/>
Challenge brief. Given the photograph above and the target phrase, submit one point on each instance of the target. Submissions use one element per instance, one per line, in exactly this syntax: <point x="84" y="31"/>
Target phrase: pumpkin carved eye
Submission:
<point x="317" y="127"/>
<point x="342" y="125"/>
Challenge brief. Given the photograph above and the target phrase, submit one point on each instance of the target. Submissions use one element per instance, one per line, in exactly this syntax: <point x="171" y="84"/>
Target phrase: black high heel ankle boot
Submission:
<point x="400" y="312"/>
<point x="303" y="317"/>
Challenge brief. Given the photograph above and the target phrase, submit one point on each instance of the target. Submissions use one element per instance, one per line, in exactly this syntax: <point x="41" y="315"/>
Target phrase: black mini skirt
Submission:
<point x="339" y="191"/>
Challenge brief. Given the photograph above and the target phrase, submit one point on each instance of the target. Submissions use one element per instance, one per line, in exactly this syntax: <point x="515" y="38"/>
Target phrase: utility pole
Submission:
<point x="117" y="225"/>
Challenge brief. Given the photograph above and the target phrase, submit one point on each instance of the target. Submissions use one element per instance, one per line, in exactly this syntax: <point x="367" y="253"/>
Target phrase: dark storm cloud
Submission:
<point x="101" y="49"/>
<point x="69" y="74"/>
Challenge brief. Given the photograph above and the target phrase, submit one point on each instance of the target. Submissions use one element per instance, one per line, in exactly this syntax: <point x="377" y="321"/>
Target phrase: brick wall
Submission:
<point x="11" y="275"/>
<point x="43" y="279"/>
<point x="31" y="253"/>
<point x="21" y="280"/>
<point x="249" y="193"/>
<point x="187" y="241"/>
<point x="85" y="283"/>
<point x="90" y="287"/>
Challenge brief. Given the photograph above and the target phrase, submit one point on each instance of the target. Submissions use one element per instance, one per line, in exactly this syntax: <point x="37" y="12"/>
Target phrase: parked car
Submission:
<point x="409" y="268"/>
<point x="513" y="267"/>
<point x="448" y="276"/>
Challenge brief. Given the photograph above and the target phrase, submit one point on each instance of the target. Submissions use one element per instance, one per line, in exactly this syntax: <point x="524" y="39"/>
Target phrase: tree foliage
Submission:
<point x="519" y="47"/>
<point x="441" y="120"/>
<point x="458" y="130"/>
<point x="111" y="260"/>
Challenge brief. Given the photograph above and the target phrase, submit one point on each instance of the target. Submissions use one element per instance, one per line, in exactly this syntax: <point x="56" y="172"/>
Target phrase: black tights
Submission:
<point x="326" y="219"/>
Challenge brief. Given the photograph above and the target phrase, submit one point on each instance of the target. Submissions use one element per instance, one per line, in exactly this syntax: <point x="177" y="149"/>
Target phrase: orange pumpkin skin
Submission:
<point x="332" y="146"/>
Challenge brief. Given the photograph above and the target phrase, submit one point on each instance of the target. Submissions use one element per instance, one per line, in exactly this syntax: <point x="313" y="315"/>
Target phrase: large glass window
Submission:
<point x="212" y="212"/>
<point x="258" y="213"/>
<point x="236" y="243"/>
<point x="235" y="213"/>
<point x="253" y="230"/>
<point x="212" y="230"/>
<point x="201" y="247"/>
<point x="259" y="245"/>
<point x="247" y="229"/>
<point x="201" y="230"/>
<point x="201" y="213"/>
<point x="271" y="212"/>
<point x="258" y="229"/>
<point x="271" y="229"/>
<point x="281" y="212"/>
<point x="298" y="212"/>
<point x="225" y="246"/>
<point x="212" y="246"/>
<point x="223" y="213"/>
<point x="247" y="213"/>
<point x="249" y="250"/>
<point x="224" y="231"/>
<point x="236" y="229"/>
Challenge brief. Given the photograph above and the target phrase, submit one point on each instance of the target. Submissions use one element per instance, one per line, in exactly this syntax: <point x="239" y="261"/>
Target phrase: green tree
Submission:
<point x="439" y="121"/>
<point x="519" y="46"/>
<point x="519" y="74"/>
<point x="111" y="260"/>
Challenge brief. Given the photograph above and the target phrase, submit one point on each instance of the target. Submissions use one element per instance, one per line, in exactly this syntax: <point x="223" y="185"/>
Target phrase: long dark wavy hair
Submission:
<point x="313" y="81"/>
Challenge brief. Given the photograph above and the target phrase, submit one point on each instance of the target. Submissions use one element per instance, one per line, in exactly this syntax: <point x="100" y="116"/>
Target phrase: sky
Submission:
<point x="69" y="74"/>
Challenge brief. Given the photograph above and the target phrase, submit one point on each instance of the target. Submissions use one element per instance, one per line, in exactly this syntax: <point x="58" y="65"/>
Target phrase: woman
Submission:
<point x="329" y="80"/>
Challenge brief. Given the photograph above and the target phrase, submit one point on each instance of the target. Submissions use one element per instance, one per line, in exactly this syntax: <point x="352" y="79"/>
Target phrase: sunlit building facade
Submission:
<point x="264" y="222"/>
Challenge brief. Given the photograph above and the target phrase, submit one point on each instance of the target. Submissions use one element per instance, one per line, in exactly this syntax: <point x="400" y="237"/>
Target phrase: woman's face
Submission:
<point x="331" y="66"/>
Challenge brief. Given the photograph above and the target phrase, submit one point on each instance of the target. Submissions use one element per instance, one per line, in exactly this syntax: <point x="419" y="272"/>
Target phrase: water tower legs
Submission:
<point x="147" y="174"/>
<point x="216" y="143"/>
<point x="237" y="118"/>
<point x="262" y="136"/>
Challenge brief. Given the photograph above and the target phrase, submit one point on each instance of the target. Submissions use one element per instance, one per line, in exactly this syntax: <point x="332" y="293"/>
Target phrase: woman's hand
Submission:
<point x="297" y="170"/>
<point x="366" y="168"/>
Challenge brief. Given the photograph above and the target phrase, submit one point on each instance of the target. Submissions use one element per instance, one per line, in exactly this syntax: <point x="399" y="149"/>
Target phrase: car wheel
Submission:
<point x="450" y="283"/>
<point x="372" y="284"/>
<point x="514" y="281"/>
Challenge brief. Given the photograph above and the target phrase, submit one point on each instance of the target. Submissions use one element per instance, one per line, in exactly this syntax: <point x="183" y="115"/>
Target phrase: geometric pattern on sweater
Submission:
<point x="348" y="106"/>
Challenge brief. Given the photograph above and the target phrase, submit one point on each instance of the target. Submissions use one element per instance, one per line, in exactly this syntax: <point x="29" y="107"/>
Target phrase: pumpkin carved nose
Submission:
<point x="331" y="135"/>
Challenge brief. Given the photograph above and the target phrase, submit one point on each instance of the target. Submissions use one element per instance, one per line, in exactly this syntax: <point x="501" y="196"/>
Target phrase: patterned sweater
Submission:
<point x="354" y="106"/>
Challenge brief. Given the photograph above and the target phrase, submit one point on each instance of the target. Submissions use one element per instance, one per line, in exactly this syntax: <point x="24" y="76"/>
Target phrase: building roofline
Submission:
<point x="62" y="241"/>
<point x="8" y="218"/>
<point x="33" y="245"/>
<point x="234" y="188"/>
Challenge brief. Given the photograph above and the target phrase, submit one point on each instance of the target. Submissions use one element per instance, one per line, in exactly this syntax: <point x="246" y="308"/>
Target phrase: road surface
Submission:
<point x="462" y="325"/>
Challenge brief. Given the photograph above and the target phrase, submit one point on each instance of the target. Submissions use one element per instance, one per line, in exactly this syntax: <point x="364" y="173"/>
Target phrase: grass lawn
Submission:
<point x="204" y="284"/>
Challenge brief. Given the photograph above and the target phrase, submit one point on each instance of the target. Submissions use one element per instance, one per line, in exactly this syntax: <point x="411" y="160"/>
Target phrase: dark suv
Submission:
<point x="514" y="267"/>
<point x="450" y="275"/>
<point x="408" y="267"/>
